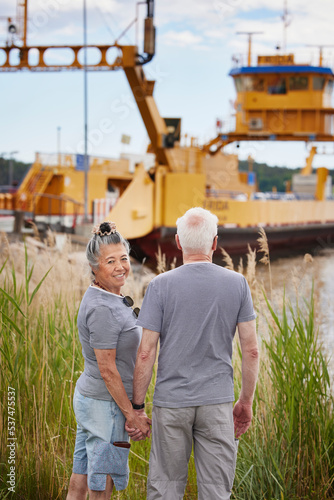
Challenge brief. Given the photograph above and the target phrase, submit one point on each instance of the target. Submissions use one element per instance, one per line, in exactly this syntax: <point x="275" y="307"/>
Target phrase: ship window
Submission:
<point x="238" y="84"/>
<point x="329" y="87"/>
<point x="298" y="83"/>
<point x="110" y="187"/>
<point x="252" y="84"/>
<point x="276" y="85"/>
<point x="318" y="82"/>
<point x="249" y="84"/>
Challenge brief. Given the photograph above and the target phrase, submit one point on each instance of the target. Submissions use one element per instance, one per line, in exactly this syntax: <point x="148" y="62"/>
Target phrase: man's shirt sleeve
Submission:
<point x="246" y="311"/>
<point x="151" y="312"/>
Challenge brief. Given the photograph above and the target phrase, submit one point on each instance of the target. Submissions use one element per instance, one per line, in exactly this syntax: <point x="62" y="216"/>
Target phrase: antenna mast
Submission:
<point x="249" y="33"/>
<point x="22" y="20"/>
<point x="286" y="22"/>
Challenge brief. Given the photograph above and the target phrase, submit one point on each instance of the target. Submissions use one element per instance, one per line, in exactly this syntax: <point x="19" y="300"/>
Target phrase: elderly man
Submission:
<point x="194" y="311"/>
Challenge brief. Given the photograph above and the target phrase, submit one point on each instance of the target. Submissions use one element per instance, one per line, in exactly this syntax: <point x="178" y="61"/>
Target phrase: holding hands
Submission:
<point x="138" y="426"/>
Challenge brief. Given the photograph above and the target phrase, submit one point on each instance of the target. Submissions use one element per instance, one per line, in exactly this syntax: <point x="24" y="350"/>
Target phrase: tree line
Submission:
<point x="269" y="177"/>
<point x="19" y="171"/>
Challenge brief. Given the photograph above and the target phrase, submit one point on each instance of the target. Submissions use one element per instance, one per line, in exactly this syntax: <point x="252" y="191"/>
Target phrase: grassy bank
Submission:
<point x="287" y="454"/>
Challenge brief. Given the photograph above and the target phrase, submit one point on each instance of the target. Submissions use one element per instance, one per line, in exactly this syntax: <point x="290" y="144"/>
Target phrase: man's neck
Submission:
<point x="196" y="257"/>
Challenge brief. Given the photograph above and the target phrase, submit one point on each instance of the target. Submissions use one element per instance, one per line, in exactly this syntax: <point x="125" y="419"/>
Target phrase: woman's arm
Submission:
<point x="106" y="360"/>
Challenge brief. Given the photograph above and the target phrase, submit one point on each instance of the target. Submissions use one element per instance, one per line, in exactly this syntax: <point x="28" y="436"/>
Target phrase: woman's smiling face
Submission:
<point x="114" y="267"/>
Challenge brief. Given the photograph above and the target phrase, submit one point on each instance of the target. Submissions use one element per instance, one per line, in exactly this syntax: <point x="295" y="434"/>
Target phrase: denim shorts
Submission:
<point x="99" y="424"/>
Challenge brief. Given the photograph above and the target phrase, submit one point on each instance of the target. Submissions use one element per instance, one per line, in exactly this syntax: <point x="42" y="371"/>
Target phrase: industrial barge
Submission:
<point x="276" y="100"/>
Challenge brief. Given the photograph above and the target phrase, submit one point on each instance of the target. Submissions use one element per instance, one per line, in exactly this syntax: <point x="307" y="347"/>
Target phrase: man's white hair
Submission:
<point x="196" y="230"/>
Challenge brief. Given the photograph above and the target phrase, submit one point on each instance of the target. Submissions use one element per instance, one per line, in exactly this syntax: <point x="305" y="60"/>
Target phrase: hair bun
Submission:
<point x="105" y="228"/>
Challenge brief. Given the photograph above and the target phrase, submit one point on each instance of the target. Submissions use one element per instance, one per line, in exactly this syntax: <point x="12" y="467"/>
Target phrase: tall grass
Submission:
<point x="288" y="452"/>
<point x="40" y="358"/>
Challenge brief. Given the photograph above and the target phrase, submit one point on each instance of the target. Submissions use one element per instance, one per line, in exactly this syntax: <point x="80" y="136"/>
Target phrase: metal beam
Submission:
<point x="41" y="65"/>
<point x="223" y="140"/>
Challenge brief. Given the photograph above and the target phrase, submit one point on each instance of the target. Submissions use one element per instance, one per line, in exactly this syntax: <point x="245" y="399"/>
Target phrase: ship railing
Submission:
<point x="270" y="195"/>
<point x="101" y="208"/>
<point x="61" y="213"/>
<point x="224" y="193"/>
<point x="302" y="56"/>
<point x="304" y="196"/>
<point x="65" y="160"/>
<point x="55" y="159"/>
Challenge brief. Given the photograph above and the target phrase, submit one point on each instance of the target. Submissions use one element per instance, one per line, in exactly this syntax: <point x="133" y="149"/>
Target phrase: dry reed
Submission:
<point x="251" y="267"/>
<point x="227" y="259"/>
<point x="265" y="259"/>
<point x="241" y="266"/>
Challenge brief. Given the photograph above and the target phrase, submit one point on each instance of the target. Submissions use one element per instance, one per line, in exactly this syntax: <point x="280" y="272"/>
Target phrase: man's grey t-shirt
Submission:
<point x="105" y="322"/>
<point x="195" y="308"/>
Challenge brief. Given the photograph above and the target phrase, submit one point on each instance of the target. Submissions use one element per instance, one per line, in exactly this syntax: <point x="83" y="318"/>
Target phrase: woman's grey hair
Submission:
<point x="196" y="230"/>
<point x="95" y="243"/>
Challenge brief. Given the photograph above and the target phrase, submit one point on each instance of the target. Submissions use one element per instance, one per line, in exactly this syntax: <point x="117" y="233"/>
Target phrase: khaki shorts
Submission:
<point x="210" y="430"/>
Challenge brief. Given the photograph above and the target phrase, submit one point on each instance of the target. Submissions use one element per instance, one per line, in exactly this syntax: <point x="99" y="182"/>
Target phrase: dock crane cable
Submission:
<point x="103" y="19"/>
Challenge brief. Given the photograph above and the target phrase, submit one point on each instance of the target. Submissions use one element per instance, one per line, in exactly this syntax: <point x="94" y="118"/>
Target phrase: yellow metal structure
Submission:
<point x="307" y="170"/>
<point x="276" y="100"/>
<point x="142" y="90"/>
<point x="27" y="53"/>
<point x="282" y="101"/>
<point x="134" y="210"/>
<point x="50" y="184"/>
<point x="181" y="191"/>
<point x="289" y="101"/>
<point x="233" y="213"/>
<point x="322" y="174"/>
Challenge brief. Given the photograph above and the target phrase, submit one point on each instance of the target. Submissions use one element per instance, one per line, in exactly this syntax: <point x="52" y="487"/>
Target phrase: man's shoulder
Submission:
<point x="166" y="275"/>
<point x="231" y="273"/>
<point x="211" y="268"/>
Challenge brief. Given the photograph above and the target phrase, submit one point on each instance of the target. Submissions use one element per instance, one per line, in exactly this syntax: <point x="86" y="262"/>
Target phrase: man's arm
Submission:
<point x="143" y="373"/>
<point x="242" y="411"/>
<point x="144" y="365"/>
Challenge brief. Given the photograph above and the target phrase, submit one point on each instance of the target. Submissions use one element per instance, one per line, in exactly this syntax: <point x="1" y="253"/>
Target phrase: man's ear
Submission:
<point x="178" y="242"/>
<point x="215" y="242"/>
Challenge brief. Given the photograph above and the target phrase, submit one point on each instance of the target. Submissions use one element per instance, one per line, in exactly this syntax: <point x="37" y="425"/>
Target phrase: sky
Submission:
<point x="195" y="42"/>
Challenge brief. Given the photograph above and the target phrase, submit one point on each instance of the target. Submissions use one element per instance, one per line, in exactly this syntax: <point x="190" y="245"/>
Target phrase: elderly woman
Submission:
<point x="102" y="399"/>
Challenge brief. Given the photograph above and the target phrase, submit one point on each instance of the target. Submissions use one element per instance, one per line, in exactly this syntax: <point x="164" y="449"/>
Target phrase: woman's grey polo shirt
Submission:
<point x="105" y="322"/>
<point x="195" y="308"/>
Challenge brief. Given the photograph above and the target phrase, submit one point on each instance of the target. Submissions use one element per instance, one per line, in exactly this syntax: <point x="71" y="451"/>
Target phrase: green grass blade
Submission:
<point x="14" y="325"/>
<point x="38" y="286"/>
<point x="13" y="301"/>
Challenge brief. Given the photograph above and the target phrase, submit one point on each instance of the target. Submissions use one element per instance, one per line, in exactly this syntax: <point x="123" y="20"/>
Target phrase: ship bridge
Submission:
<point x="280" y="100"/>
<point x="284" y="101"/>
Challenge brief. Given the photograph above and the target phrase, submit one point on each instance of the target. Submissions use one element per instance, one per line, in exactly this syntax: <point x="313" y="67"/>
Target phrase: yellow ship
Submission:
<point x="277" y="99"/>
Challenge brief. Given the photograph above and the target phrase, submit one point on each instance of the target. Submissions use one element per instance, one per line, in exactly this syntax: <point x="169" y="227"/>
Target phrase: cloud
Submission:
<point x="181" y="38"/>
<point x="190" y="22"/>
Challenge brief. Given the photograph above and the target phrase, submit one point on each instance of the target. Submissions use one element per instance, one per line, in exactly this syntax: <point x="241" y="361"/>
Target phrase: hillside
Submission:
<point x="19" y="170"/>
<point x="269" y="177"/>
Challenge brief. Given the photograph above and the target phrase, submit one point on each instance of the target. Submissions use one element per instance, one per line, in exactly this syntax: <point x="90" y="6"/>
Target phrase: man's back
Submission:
<point x="194" y="311"/>
<point x="196" y="308"/>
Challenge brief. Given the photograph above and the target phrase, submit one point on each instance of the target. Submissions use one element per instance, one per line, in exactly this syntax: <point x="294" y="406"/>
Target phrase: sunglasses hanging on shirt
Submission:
<point x="128" y="301"/>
